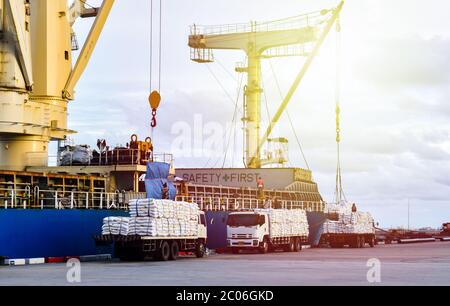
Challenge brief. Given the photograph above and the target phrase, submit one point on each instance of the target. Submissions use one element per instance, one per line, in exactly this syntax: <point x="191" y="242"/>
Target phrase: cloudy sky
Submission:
<point x="395" y="96"/>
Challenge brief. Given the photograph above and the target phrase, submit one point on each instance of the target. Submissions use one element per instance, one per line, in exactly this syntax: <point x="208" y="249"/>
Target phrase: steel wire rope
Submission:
<point x="289" y="117"/>
<point x="233" y="120"/>
<point x="340" y="195"/>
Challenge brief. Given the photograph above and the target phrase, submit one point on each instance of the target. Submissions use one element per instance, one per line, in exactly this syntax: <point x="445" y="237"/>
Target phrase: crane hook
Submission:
<point x="154" y="123"/>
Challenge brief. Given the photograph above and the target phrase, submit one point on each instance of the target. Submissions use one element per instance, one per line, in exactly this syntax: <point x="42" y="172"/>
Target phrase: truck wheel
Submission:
<point x="164" y="251"/>
<point x="372" y="242"/>
<point x="298" y="245"/>
<point x="174" y="251"/>
<point x="362" y="242"/>
<point x="358" y="242"/>
<point x="200" y="249"/>
<point x="354" y="242"/>
<point x="264" y="247"/>
<point x="290" y="247"/>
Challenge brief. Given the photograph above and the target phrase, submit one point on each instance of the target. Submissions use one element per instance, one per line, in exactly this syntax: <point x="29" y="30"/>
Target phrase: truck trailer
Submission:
<point x="346" y="226"/>
<point x="158" y="229"/>
<point x="137" y="248"/>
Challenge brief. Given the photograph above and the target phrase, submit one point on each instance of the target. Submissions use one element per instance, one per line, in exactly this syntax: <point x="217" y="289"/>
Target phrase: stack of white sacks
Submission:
<point x="286" y="222"/>
<point x="115" y="226"/>
<point x="161" y="218"/>
<point x="349" y="222"/>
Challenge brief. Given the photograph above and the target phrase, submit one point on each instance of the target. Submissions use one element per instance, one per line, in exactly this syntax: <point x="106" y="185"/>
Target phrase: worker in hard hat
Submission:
<point x="165" y="192"/>
<point x="260" y="186"/>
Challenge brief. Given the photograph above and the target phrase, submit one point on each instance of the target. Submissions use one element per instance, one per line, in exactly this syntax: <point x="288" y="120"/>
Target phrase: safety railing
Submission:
<point x="306" y="20"/>
<point x="290" y="50"/>
<point x="51" y="199"/>
<point x="202" y="55"/>
<point x="242" y="204"/>
<point x="113" y="157"/>
<point x="163" y="158"/>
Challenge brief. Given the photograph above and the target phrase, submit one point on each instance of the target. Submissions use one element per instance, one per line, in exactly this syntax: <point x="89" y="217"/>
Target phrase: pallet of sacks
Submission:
<point x="155" y="218"/>
<point x="116" y="226"/>
<point x="350" y="223"/>
<point x="286" y="222"/>
<point x="163" y="218"/>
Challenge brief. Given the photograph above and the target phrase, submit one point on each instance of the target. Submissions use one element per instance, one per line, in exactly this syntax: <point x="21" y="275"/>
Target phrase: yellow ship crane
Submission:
<point x="297" y="36"/>
<point x="37" y="79"/>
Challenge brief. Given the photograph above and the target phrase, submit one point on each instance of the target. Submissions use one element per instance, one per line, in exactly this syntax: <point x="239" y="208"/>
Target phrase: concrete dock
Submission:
<point x="412" y="264"/>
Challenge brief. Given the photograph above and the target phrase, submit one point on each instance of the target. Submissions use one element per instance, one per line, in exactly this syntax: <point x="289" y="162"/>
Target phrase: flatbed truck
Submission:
<point x="163" y="248"/>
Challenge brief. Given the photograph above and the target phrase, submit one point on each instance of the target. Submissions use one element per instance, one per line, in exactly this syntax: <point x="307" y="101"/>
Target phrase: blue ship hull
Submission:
<point x="50" y="233"/>
<point x="60" y="233"/>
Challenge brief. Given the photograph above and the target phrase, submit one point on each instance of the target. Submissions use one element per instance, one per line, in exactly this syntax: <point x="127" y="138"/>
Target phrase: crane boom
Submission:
<point x="258" y="41"/>
<point x="88" y="48"/>
<point x="261" y="40"/>
<point x="22" y="44"/>
<point x="300" y="76"/>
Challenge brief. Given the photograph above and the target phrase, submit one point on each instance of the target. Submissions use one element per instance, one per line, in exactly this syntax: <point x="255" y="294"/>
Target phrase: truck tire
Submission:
<point x="372" y="242"/>
<point x="200" y="249"/>
<point x="290" y="247"/>
<point x="298" y="245"/>
<point x="163" y="253"/>
<point x="358" y="242"/>
<point x="362" y="242"/>
<point x="174" y="251"/>
<point x="264" y="247"/>
<point x="354" y="242"/>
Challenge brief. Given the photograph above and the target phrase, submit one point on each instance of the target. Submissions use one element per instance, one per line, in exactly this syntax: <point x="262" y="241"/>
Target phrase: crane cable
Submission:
<point x="233" y="123"/>
<point x="151" y="44"/>
<point x="236" y="108"/>
<point x="340" y="195"/>
<point x="297" y="138"/>
<point x="158" y="87"/>
<point x="225" y="91"/>
<point x="160" y="45"/>
<point x="159" y="59"/>
<point x="266" y="105"/>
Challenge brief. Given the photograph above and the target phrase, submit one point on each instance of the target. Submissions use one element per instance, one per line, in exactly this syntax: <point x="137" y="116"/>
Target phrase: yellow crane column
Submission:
<point x="253" y="108"/>
<point x="37" y="80"/>
<point x="16" y="110"/>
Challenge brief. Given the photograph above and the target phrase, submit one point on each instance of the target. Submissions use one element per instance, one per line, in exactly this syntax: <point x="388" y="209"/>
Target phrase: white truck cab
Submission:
<point x="248" y="230"/>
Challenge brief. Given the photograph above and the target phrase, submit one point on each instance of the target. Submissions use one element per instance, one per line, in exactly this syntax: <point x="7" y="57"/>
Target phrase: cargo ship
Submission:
<point x="54" y="211"/>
